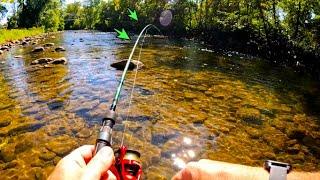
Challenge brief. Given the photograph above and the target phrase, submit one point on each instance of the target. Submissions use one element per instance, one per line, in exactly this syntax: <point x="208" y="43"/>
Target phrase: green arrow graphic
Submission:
<point x="122" y="34"/>
<point x="133" y="14"/>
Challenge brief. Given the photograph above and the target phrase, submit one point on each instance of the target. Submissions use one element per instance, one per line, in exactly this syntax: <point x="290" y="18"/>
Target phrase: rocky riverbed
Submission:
<point x="187" y="104"/>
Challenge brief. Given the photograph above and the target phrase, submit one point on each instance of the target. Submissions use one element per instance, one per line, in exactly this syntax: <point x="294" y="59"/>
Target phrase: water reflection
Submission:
<point x="180" y="159"/>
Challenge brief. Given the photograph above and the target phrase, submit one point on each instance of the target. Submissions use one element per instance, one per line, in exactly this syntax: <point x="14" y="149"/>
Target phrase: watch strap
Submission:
<point x="278" y="173"/>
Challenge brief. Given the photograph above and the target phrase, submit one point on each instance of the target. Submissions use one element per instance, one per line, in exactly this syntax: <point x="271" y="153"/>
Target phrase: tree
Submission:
<point x="3" y="11"/>
<point x="51" y="18"/>
<point x="73" y="18"/>
<point x="29" y="12"/>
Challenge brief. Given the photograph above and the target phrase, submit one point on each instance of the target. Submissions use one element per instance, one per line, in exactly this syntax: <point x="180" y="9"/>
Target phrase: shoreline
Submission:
<point x="27" y="37"/>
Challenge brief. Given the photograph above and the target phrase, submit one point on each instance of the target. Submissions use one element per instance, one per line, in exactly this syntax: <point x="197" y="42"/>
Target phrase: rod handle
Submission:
<point x="100" y="144"/>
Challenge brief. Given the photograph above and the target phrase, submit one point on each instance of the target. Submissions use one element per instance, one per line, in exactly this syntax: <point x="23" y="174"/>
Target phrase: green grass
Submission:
<point x="16" y="34"/>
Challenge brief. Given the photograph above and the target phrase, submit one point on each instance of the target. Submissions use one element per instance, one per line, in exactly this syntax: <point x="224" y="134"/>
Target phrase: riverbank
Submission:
<point x="18" y="34"/>
<point x="276" y="48"/>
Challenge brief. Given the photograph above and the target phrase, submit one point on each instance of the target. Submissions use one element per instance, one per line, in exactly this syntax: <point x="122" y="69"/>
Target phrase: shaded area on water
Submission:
<point x="189" y="103"/>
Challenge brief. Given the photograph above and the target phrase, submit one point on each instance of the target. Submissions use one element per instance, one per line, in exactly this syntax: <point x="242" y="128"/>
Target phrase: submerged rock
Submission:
<point x="5" y="48"/>
<point x="84" y="133"/>
<point x="133" y="65"/>
<point x="46" y="61"/>
<point x="8" y="165"/>
<point x="7" y="154"/>
<point x="60" y="48"/>
<point x="54" y="105"/>
<point x="41" y="61"/>
<point x="47" y="155"/>
<point x="61" y="146"/>
<point x="48" y="44"/>
<point x="38" y="49"/>
<point x="24" y="43"/>
<point x="21" y="128"/>
<point x="250" y="115"/>
<point x="5" y="123"/>
<point x="161" y="136"/>
<point x="24" y="145"/>
<point x="61" y="60"/>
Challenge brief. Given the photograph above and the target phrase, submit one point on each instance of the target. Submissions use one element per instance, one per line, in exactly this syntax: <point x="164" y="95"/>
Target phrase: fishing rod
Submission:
<point x="128" y="165"/>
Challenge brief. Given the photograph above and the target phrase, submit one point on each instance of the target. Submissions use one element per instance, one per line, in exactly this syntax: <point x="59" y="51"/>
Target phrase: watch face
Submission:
<point x="269" y="163"/>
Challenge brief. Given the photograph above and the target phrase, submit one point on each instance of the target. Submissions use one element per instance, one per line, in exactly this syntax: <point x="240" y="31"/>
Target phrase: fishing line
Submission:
<point x="133" y="86"/>
<point x="136" y="72"/>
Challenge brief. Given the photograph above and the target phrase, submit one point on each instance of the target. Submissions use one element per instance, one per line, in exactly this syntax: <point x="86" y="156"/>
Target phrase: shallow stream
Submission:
<point x="188" y="103"/>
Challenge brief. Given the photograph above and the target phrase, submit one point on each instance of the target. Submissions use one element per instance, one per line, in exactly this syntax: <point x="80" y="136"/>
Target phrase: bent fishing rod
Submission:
<point x="128" y="165"/>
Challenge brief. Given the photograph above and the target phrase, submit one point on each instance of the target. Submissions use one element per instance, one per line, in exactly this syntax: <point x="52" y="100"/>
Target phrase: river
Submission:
<point x="189" y="102"/>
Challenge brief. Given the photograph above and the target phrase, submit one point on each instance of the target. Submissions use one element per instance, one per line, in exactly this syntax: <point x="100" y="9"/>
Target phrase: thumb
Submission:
<point x="99" y="164"/>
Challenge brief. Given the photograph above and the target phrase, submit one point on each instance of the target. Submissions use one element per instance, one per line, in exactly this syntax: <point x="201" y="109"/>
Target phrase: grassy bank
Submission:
<point x="15" y="34"/>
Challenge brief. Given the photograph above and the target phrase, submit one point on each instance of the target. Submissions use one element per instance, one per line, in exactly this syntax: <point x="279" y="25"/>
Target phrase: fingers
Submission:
<point x="81" y="156"/>
<point x="99" y="164"/>
<point x="188" y="173"/>
<point x="108" y="176"/>
<point x="86" y="152"/>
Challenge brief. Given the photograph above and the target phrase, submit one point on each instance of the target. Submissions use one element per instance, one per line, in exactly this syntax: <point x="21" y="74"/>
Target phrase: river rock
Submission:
<point x="189" y="95"/>
<point x="4" y="123"/>
<point x="24" y="145"/>
<point x="60" y="48"/>
<point x="198" y="118"/>
<point x="253" y="133"/>
<point x="121" y="65"/>
<point x="24" y="43"/>
<point x="33" y="173"/>
<point x="294" y="149"/>
<point x="162" y="135"/>
<point x="62" y="145"/>
<point x="41" y="61"/>
<point x="1" y="52"/>
<point x="48" y="44"/>
<point x="56" y="104"/>
<point x="37" y="163"/>
<point x="61" y="60"/>
<point x="250" y="115"/>
<point x="5" y="48"/>
<point x="84" y="133"/>
<point x="23" y="127"/>
<point x="7" y="154"/>
<point x="38" y="49"/>
<point x="8" y="165"/>
<point x="47" y="155"/>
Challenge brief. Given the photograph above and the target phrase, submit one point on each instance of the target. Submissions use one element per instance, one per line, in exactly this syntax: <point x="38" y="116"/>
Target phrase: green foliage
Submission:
<point x="13" y="22"/>
<point x="51" y="18"/>
<point x="29" y="12"/>
<point x="74" y="18"/>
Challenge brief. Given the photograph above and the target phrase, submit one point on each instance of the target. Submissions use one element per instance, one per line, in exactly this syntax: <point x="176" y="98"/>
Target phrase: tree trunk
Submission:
<point x="275" y="18"/>
<point x="265" y="26"/>
<point x="296" y="31"/>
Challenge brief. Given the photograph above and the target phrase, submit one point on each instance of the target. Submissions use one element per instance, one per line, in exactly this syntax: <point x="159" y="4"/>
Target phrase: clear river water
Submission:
<point x="188" y="103"/>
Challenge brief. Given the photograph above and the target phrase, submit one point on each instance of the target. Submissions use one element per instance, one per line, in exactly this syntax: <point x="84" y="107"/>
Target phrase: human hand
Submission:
<point x="208" y="169"/>
<point x="80" y="164"/>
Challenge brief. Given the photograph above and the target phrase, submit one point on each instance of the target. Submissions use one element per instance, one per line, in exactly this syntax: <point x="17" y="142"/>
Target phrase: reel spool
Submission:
<point x="128" y="163"/>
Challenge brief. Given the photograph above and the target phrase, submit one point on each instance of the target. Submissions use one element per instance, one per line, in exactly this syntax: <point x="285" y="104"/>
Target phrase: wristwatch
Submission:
<point x="277" y="170"/>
